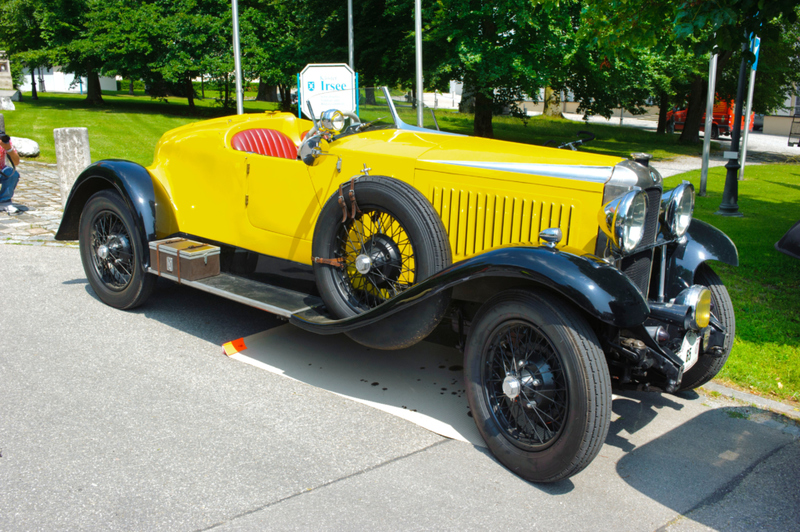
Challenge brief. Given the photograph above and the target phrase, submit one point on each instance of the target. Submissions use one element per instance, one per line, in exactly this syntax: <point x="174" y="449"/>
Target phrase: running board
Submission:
<point x="274" y="299"/>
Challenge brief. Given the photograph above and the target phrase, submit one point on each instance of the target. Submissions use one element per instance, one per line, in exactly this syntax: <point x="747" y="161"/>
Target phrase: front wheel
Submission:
<point x="538" y="385"/>
<point x="112" y="251"/>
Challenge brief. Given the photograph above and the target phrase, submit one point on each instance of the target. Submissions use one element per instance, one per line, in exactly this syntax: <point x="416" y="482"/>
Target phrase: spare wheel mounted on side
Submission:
<point x="366" y="255"/>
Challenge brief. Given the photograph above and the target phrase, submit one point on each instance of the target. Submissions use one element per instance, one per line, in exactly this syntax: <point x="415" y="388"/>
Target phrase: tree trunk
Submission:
<point x="202" y="86"/>
<point x="266" y="92"/>
<point x="694" y="111"/>
<point x="663" y="104"/>
<point x="227" y="101"/>
<point x="190" y="93"/>
<point x="34" y="96"/>
<point x="552" y="103"/>
<point x="482" y="125"/>
<point x="130" y="88"/>
<point x="370" y="96"/>
<point x="286" y="98"/>
<point x="93" y="93"/>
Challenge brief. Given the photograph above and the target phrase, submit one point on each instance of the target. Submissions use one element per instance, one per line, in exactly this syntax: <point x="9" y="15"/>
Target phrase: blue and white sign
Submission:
<point x="755" y="47"/>
<point x="327" y="86"/>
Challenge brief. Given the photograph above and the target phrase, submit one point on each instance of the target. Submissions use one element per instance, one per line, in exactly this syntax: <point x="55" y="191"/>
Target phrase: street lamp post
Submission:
<point x="730" y="196"/>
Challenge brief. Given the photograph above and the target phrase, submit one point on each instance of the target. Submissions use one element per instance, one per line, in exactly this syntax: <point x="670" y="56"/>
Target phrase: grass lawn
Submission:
<point x="765" y="287"/>
<point x="125" y="127"/>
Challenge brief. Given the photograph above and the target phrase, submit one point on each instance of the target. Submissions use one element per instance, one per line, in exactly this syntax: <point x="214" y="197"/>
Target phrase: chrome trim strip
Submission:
<point x="228" y="295"/>
<point x="596" y="174"/>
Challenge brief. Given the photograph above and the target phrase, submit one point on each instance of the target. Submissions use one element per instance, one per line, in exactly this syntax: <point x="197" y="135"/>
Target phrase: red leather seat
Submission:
<point x="265" y="142"/>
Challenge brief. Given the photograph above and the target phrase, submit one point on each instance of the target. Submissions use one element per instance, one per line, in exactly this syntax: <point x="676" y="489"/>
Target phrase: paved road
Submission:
<point x="136" y="421"/>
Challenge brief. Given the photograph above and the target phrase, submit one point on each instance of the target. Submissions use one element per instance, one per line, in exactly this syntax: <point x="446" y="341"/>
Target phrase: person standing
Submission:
<point x="9" y="177"/>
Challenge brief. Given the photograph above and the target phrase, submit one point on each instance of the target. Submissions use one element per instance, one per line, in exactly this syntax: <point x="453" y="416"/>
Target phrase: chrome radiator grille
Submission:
<point x="638" y="265"/>
<point x="476" y="221"/>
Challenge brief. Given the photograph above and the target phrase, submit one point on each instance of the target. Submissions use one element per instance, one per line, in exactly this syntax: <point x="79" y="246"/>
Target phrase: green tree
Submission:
<point x="501" y="50"/>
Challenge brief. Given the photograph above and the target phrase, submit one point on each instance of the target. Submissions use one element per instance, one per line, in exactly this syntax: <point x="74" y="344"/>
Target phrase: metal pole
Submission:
<point x="712" y="85"/>
<point x="730" y="196"/>
<point x="418" y="31"/>
<point x="237" y="59"/>
<point x="350" y="34"/>
<point x="748" y="110"/>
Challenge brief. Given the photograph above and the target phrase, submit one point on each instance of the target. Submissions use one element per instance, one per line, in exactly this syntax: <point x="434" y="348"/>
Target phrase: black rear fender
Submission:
<point x="146" y="199"/>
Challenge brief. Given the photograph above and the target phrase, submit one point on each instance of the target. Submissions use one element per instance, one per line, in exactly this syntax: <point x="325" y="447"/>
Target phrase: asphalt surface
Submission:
<point x="136" y="421"/>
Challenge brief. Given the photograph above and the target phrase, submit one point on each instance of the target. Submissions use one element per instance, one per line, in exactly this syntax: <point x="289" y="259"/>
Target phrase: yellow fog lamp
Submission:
<point x="698" y="299"/>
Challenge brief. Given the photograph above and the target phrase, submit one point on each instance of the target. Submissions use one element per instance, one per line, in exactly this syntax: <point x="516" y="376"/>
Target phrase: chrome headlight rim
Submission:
<point x="332" y="120"/>
<point x="623" y="219"/>
<point x="677" y="209"/>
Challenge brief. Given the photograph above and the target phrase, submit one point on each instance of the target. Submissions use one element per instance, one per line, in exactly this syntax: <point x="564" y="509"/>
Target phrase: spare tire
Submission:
<point x="394" y="242"/>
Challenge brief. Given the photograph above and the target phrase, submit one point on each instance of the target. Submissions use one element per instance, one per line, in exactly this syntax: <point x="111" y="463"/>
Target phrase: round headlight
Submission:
<point x="677" y="206"/>
<point x="332" y="120"/>
<point x="623" y="219"/>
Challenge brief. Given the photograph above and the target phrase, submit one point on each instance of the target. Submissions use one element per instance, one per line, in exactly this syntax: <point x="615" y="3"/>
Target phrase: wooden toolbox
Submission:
<point x="185" y="259"/>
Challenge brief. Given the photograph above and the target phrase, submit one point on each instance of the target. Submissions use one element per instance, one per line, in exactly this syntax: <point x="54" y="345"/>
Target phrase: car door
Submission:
<point x="280" y="197"/>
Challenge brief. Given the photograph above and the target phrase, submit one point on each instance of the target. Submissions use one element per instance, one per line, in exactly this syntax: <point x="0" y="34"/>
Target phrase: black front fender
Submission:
<point x="702" y="242"/>
<point x="133" y="183"/>
<point x="594" y="286"/>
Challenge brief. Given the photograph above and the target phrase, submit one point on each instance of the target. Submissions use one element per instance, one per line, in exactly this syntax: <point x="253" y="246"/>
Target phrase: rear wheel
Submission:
<point x="707" y="366"/>
<point x="112" y="251"/>
<point x="714" y="131"/>
<point x="538" y="385"/>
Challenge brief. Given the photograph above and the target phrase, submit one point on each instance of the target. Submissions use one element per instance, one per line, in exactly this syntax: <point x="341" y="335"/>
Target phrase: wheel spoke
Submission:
<point x="535" y="416"/>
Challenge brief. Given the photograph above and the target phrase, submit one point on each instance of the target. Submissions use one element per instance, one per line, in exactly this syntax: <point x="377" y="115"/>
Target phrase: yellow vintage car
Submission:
<point x="559" y="274"/>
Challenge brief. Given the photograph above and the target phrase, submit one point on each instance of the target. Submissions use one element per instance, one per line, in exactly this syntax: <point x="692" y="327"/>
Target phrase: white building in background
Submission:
<point x="56" y="80"/>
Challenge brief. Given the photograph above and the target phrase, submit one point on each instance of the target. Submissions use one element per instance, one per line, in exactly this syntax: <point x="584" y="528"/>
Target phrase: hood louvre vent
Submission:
<point x="477" y="221"/>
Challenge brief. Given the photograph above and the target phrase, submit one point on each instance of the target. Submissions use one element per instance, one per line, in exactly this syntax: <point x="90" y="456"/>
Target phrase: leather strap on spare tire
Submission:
<point x="390" y="241"/>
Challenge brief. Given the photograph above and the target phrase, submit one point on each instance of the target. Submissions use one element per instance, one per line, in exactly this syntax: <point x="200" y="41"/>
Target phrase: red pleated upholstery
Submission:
<point x="265" y="142"/>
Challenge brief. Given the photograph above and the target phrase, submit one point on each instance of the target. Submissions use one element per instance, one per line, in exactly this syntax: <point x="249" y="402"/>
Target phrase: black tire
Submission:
<point x="399" y="235"/>
<point x="707" y="366"/>
<point x="112" y="250"/>
<point x="714" y="131"/>
<point x="559" y="420"/>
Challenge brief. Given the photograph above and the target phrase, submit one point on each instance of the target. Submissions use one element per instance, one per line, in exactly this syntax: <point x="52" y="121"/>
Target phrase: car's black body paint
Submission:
<point x="592" y="285"/>
<point x="702" y="243"/>
<point x="132" y="181"/>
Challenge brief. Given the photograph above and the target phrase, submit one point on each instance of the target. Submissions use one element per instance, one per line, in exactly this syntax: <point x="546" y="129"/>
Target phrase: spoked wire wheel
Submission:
<point x="112" y="252"/>
<point x="537" y="384"/>
<point x="525" y="385"/>
<point x="112" y="257"/>
<point x="377" y="256"/>
<point x="378" y="259"/>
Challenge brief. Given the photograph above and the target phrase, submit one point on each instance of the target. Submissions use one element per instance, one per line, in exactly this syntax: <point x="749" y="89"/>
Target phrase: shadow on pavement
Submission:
<point x="206" y="316"/>
<point x="697" y="459"/>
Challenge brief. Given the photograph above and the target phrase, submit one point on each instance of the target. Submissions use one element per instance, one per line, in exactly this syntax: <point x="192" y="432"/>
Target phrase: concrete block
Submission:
<point x="72" y="156"/>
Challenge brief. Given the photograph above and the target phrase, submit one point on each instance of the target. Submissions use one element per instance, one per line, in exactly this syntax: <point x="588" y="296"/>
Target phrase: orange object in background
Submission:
<point x="721" y="121"/>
